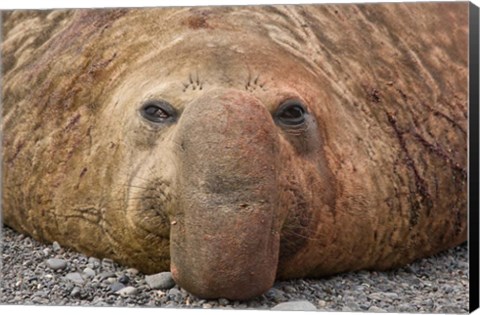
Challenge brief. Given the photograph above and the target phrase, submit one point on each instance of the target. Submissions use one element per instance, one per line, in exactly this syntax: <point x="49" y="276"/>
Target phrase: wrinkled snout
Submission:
<point x="225" y="239"/>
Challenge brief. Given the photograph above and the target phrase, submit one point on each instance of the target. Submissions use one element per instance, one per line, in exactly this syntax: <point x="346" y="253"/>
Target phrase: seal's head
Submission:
<point x="236" y="145"/>
<point x="216" y="135"/>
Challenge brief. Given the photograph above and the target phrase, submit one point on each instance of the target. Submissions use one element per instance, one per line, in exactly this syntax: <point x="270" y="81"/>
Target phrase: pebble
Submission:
<point x="276" y="295"/>
<point x="89" y="273"/>
<point x="124" y="279"/>
<point x="56" y="264"/>
<point x="75" y="277"/>
<point x="162" y="281"/>
<point x="127" y="291"/>
<point x="56" y="247"/>
<point x="132" y="271"/>
<point x="289" y="289"/>
<point x="116" y="287"/>
<point x="223" y="301"/>
<point x="75" y="292"/>
<point x="374" y="308"/>
<point x="105" y="275"/>
<point x="93" y="260"/>
<point x="174" y="291"/>
<point x="295" y="306"/>
<point x="111" y="280"/>
<point x="424" y="290"/>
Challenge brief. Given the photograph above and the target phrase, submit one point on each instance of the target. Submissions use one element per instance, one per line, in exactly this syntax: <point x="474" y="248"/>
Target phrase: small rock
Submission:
<point x="376" y="296"/>
<point x="107" y="263"/>
<point x="321" y="303"/>
<point x="124" y="279"/>
<point x="56" y="264"/>
<point x="223" y="301"/>
<point x="295" y="306"/>
<point x="289" y="289"/>
<point x="106" y="274"/>
<point x="406" y="307"/>
<point x="207" y="305"/>
<point x="132" y="271"/>
<point x="89" y="273"/>
<point x="374" y="308"/>
<point x="111" y="280"/>
<point x="174" y="291"/>
<point x="127" y="291"/>
<point x="91" y="266"/>
<point x="94" y="261"/>
<point x="56" y="247"/>
<point x="116" y="287"/>
<point x="75" y="292"/>
<point x="353" y="306"/>
<point x="391" y="295"/>
<point x="75" y="277"/>
<point x="162" y="281"/>
<point x="47" y="251"/>
<point x="276" y="295"/>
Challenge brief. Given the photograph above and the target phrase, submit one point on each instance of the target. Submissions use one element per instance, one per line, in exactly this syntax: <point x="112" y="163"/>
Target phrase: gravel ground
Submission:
<point x="35" y="273"/>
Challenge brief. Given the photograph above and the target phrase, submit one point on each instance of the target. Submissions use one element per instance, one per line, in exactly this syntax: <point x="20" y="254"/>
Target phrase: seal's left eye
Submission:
<point x="291" y="113"/>
<point x="158" y="111"/>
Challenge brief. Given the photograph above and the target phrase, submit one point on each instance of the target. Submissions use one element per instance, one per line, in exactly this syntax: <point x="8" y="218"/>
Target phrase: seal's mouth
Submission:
<point x="235" y="260"/>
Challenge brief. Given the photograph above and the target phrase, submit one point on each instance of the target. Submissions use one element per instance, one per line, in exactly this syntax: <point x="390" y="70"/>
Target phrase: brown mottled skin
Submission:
<point x="226" y="196"/>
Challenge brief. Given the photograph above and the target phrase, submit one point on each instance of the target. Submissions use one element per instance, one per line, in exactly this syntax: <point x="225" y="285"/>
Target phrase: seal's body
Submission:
<point x="234" y="145"/>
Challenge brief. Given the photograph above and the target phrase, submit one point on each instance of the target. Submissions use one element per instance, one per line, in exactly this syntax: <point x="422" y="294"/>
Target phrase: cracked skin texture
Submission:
<point x="225" y="197"/>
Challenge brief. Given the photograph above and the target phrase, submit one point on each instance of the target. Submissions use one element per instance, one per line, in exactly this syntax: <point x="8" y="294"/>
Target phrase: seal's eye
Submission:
<point x="158" y="111"/>
<point x="291" y="113"/>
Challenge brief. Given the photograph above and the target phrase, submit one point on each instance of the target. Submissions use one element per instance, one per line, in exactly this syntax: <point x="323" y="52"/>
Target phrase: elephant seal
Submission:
<point x="237" y="145"/>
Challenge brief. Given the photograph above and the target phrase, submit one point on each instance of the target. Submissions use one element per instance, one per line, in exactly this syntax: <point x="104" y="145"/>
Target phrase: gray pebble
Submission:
<point x="89" y="273"/>
<point x="56" y="247"/>
<point x="346" y="309"/>
<point x="174" y="291"/>
<point x="376" y="296"/>
<point x="295" y="306"/>
<point x="116" y="286"/>
<point x="75" y="277"/>
<point x="289" y="289"/>
<point x="391" y="295"/>
<point x="374" y="308"/>
<point x="127" y="291"/>
<point x="91" y="266"/>
<point x="223" y="301"/>
<point x="56" y="264"/>
<point x="75" y="292"/>
<point x="162" y="281"/>
<point x="106" y="274"/>
<point x="123" y="279"/>
<point x="94" y="260"/>
<point x="132" y="271"/>
<point x="424" y="291"/>
<point x="276" y="295"/>
<point x="111" y="280"/>
<point x="107" y="263"/>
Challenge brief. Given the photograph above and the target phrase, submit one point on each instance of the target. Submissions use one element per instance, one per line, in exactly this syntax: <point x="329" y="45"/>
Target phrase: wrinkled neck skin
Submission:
<point x="223" y="183"/>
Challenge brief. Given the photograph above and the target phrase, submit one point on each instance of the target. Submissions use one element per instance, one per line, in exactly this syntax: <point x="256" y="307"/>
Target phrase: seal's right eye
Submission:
<point x="158" y="112"/>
